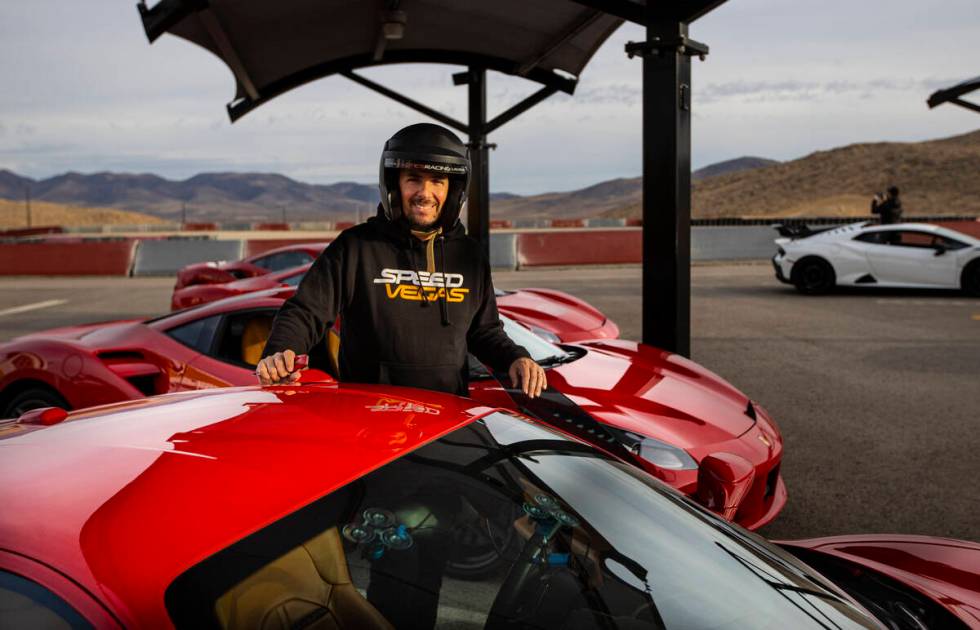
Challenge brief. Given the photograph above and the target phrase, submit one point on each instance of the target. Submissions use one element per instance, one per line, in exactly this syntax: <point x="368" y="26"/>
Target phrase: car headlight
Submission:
<point x="545" y="334"/>
<point x="656" y="452"/>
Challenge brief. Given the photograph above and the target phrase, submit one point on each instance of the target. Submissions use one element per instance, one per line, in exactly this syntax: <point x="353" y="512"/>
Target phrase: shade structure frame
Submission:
<point x="583" y="26"/>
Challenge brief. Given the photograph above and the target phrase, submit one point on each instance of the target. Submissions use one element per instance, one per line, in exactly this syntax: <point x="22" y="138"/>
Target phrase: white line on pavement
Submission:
<point x="906" y="302"/>
<point x="31" y="307"/>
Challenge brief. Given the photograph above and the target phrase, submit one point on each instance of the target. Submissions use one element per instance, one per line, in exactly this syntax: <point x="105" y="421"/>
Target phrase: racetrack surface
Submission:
<point x="877" y="393"/>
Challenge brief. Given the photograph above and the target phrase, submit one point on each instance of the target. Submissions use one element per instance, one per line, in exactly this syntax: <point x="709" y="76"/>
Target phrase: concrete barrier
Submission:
<point x="67" y="258"/>
<point x="259" y="246"/>
<point x="503" y="251"/>
<point x="313" y="226"/>
<point x="165" y="257"/>
<point x="604" y="222"/>
<point x="732" y="243"/>
<point x="237" y="227"/>
<point x="579" y="247"/>
<point x="271" y="227"/>
<point x="523" y="224"/>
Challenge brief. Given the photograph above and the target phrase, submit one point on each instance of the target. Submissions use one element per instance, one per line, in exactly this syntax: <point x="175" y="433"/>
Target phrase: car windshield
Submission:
<point x="540" y="350"/>
<point x="506" y="524"/>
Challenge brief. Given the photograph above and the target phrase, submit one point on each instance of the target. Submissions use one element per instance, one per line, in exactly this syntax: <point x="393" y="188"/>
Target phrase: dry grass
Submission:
<point x="13" y="215"/>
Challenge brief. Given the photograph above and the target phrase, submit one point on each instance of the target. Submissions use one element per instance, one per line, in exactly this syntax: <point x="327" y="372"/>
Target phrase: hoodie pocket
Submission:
<point x="443" y="378"/>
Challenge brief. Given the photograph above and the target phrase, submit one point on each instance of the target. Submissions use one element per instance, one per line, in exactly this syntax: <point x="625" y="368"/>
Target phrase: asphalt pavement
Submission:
<point x="877" y="394"/>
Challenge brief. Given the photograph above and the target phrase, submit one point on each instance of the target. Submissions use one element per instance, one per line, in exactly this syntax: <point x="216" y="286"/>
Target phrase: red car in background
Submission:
<point x="555" y="315"/>
<point x="269" y="261"/>
<point x="678" y="420"/>
<point x="350" y="506"/>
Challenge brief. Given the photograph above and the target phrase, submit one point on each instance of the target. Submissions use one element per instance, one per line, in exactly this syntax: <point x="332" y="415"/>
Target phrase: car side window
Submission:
<point x="282" y="260"/>
<point x="915" y="239"/>
<point x="870" y="237"/>
<point x="242" y="337"/>
<point x="27" y="604"/>
<point x="198" y="334"/>
<point x="949" y="243"/>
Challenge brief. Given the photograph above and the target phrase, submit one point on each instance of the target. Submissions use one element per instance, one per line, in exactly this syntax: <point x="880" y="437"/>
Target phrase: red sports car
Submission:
<point x="347" y="506"/>
<point x="555" y="315"/>
<point x="678" y="420"/>
<point x="269" y="261"/>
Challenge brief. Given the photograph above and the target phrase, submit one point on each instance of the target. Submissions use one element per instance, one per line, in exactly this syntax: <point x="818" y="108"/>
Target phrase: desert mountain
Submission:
<point x="935" y="177"/>
<point x="208" y="197"/>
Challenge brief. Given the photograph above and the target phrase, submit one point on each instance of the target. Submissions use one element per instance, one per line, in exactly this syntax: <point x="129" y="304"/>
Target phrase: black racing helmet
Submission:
<point x="427" y="147"/>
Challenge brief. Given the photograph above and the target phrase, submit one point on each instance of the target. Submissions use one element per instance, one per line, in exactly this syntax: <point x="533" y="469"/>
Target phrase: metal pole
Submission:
<point x="478" y="215"/>
<point x="666" y="190"/>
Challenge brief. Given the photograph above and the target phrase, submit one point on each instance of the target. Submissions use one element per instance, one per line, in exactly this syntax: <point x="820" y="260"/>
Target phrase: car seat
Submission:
<point x="309" y="586"/>
<point x="254" y="336"/>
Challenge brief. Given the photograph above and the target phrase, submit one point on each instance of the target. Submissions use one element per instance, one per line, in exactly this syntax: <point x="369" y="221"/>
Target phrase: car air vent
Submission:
<point x="146" y="384"/>
<point x="121" y="355"/>
<point x="750" y="411"/>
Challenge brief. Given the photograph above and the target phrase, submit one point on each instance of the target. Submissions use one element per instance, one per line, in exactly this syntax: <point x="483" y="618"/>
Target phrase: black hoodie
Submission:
<point x="373" y="275"/>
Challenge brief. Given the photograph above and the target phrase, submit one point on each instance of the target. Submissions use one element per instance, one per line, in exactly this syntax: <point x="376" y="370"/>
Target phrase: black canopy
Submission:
<point x="953" y="94"/>
<point x="273" y="47"/>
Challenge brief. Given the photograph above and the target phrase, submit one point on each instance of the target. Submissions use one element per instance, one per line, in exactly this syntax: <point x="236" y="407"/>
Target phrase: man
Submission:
<point x="413" y="291"/>
<point x="887" y="206"/>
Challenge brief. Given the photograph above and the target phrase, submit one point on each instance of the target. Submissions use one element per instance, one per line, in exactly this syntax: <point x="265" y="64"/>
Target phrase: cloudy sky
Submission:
<point x="81" y="89"/>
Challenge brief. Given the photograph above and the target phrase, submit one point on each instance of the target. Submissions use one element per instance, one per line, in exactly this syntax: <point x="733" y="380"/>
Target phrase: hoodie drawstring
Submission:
<point x="445" y="290"/>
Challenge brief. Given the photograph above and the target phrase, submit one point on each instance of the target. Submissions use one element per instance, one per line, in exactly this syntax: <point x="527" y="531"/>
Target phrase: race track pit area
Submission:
<point x="876" y="392"/>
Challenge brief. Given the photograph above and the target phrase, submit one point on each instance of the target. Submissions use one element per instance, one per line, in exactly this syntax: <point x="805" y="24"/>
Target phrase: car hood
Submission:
<point x="637" y="387"/>
<point x="91" y="334"/>
<point x="552" y="310"/>
<point x="945" y="570"/>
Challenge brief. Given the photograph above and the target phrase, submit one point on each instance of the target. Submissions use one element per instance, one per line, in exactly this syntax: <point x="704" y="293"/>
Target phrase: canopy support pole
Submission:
<point x="666" y="180"/>
<point x="478" y="203"/>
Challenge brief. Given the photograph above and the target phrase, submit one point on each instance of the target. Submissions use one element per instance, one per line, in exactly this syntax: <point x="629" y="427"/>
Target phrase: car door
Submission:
<point x="236" y="346"/>
<point x="910" y="257"/>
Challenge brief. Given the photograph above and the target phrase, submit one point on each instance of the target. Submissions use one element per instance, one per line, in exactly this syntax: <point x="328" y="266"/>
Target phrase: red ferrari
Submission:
<point x="555" y="315"/>
<point x="346" y="506"/>
<point x="677" y="420"/>
<point x="270" y="261"/>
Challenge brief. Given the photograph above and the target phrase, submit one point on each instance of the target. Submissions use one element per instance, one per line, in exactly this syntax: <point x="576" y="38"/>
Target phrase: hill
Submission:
<point x="13" y="215"/>
<point x="609" y="198"/>
<point x="207" y="197"/>
<point x="935" y="177"/>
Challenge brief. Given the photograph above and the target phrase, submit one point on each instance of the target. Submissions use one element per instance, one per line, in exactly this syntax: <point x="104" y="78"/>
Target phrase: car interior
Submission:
<point x="310" y="586"/>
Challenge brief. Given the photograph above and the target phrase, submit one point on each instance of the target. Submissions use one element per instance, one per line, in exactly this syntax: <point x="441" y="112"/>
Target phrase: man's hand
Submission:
<point x="530" y="376"/>
<point x="277" y="369"/>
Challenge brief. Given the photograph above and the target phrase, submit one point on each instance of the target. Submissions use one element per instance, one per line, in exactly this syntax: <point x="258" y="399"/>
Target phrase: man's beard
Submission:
<point x="415" y="224"/>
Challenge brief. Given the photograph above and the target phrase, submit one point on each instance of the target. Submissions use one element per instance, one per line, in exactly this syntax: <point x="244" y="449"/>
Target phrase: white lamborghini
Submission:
<point x="908" y="255"/>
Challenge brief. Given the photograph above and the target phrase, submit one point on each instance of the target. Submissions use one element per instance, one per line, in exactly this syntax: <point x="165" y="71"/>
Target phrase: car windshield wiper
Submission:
<point x="556" y="359"/>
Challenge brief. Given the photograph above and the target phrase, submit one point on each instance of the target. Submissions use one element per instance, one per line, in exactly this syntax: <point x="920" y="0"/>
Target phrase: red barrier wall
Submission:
<point x="32" y="231"/>
<point x="587" y="247"/>
<point x="93" y="258"/>
<point x="199" y="227"/>
<point x="499" y="224"/>
<point x="258" y="246"/>
<point x="970" y="228"/>
<point x="567" y="223"/>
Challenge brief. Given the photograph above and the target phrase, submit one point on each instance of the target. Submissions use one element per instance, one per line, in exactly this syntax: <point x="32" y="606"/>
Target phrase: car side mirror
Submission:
<point x="940" y="249"/>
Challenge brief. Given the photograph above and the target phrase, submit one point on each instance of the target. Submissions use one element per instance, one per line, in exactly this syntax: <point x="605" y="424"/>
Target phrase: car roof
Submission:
<point x="924" y="227"/>
<point x="123" y="498"/>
